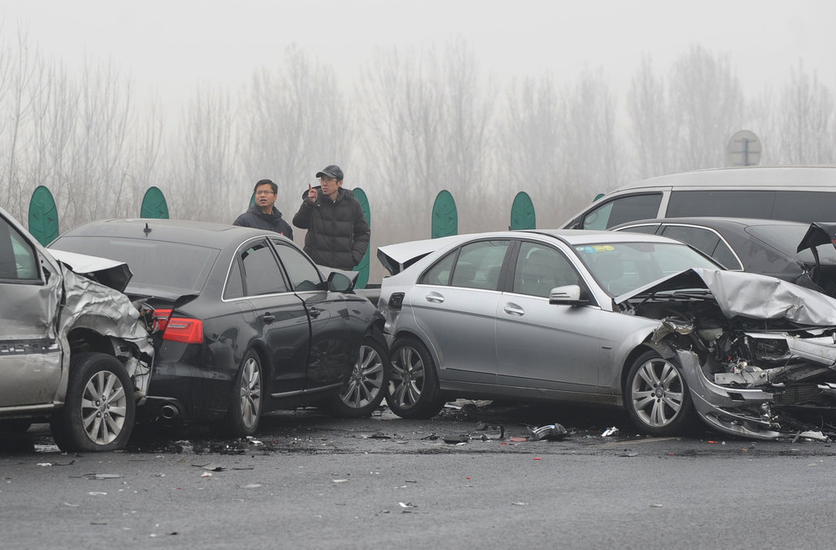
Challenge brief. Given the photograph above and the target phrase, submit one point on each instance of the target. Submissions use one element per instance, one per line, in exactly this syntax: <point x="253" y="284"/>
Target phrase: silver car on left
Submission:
<point x="74" y="350"/>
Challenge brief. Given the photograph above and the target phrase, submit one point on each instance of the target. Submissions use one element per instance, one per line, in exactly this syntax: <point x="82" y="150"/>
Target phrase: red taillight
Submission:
<point x="178" y="329"/>
<point x="188" y="331"/>
<point x="161" y="318"/>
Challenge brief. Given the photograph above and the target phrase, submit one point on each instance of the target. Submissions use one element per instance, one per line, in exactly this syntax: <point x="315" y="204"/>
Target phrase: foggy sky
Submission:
<point x="174" y="47"/>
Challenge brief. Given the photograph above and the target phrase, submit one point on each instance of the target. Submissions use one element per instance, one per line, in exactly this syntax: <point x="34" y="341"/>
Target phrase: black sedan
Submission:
<point x="247" y="322"/>
<point x="797" y="252"/>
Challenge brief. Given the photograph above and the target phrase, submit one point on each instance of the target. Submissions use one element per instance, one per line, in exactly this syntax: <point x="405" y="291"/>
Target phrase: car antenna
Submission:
<point x="147" y="229"/>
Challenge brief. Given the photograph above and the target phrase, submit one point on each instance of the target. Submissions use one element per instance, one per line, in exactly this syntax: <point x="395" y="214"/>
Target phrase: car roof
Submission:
<point x="814" y="176"/>
<point x="213" y="235"/>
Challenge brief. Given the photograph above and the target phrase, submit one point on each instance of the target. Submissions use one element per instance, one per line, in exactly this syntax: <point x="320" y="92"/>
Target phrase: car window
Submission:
<point x="18" y="260"/>
<point x="439" y="273"/>
<point x="785" y="238"/>
<point x="622" y="267"/>
<point x="622" y="210"/>
<point x="303" y="273"/>
<point x="646" y="229"/>
<point x="479" y="264"/>
<point x="540" y="268"/>
<point x="234" y="287"/>
<point x="704" y="240"/>
<point x="738" y="204"/>
<point x="261" y="271"/>
<point x="807" y="206"/>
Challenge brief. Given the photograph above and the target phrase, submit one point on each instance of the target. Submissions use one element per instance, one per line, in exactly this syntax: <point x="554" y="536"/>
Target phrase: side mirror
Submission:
<point x="569" y="295"/>
<point x="339" y="281"/>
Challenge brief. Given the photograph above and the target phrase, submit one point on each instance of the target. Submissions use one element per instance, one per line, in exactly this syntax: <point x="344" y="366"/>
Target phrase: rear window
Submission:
<point x="179" y="267"/>
<point x="786" y="238"/>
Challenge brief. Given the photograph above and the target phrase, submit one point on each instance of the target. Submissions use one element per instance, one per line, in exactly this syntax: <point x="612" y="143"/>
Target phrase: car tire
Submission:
<point x="413" y="391"/>
<point x="247" y="400"/>
<point x="657" y="397"/>
<point x="100" y="406"/>
<point x="366" y="385"/>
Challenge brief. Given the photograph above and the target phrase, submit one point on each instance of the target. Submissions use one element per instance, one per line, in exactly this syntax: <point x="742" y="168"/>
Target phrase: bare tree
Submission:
<point x="807" y="120"/>
<point x="202" y="172"/>
<point x="295" y="120"/>
<point x="651" y="131"/>
<point x="706" y="108"/>
<point x="531" y="143"/>
<point x="594" y="156"/>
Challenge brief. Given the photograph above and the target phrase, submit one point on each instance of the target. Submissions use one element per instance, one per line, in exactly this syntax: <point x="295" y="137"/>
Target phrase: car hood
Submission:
<point x="113" y="274"/>
<point x="746" y="295"/>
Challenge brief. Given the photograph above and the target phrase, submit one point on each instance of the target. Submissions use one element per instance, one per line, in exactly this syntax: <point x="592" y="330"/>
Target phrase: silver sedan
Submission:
<point x="635" y="321"/>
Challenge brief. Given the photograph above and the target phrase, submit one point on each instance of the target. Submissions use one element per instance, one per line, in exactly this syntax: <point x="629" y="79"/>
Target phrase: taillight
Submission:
<point x="178" y="329"/>
<point x="161" y="318"/>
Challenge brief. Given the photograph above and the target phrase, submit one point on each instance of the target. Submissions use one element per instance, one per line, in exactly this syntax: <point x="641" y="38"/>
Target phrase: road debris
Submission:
<point x="550" y="432"/>
<point x="610" y="432"/>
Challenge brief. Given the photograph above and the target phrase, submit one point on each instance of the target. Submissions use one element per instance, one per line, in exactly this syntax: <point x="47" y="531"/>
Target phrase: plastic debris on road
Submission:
<point x="551" y="432"/>
<point x="610" y="432"/>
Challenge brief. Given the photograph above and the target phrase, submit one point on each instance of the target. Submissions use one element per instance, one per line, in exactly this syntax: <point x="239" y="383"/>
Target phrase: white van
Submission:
<point x="794" y="193"/>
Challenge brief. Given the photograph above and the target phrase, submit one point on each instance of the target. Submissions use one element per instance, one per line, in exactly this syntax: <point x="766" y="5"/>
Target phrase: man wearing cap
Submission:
<point x="263" y="214"/>
<point x="338" y="233"/>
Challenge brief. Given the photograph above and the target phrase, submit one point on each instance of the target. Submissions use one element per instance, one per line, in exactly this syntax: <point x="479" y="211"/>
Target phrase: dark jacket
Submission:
<point x="254" y="217"/>
<point x="338" y="234"/>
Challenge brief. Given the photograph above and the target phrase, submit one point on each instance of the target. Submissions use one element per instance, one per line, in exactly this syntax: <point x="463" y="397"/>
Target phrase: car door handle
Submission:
<point x="435" y="298"/>
<point x="513" y="309"/>
<point x="268" y="318"/>
<point x="314" y="312"/>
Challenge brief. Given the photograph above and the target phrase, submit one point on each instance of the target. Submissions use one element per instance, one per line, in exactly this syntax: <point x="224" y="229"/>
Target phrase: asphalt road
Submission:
<point x="469" y="478"/>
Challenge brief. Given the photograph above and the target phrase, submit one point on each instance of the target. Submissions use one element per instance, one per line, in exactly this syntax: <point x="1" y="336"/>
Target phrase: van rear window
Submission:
<point x="798" y="206"/>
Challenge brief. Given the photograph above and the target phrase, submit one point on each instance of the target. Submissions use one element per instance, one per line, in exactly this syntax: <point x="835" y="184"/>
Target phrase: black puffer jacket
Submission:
<point x="254" y="217"/>
<point x="338" y="234"/>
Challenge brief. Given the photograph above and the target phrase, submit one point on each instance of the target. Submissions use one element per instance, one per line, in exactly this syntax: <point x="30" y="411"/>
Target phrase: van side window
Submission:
<point x="805" y="207"/>
<point x="622" y="210"/>
<point x="738" y="204"/>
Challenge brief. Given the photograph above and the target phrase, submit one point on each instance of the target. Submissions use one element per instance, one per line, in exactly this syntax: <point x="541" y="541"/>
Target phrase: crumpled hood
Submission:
<point x="397" y="257"/>
<point x="749" y="295"/>
<point x="111" y="273"/>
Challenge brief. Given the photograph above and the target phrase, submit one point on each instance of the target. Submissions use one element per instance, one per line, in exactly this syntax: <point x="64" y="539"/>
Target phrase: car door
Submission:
<point x="335" y="331"/>
<point x="545" y="346"/>
<point x="281" y="319"/>
<point x="30" y="354"/>
<point x="455" y="304"/>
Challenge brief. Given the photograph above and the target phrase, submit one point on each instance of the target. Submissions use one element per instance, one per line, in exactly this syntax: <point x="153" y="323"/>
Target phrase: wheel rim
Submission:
<point x="250" y="393"/>
<point x="366" y="379"/>
<point x="657" y="393"/>
<point x="406" y="381"/>
<point x="103" y="407"/>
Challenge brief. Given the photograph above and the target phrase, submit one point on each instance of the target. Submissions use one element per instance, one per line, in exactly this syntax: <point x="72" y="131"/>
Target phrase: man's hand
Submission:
<point x="311" y="193"/>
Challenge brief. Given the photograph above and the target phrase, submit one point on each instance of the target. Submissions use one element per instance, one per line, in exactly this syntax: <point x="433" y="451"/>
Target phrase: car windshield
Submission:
<point x="786" y="238"/>
<point x="623" y="267"/>
<point x="176" y="267"/>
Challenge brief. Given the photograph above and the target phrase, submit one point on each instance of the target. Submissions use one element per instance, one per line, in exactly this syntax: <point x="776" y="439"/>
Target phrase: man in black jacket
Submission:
<point x="262" y="214"/>
<point x="338" y="233"/>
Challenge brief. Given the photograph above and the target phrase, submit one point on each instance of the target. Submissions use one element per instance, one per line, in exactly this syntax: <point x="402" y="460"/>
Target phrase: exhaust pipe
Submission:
<point x="169" y="412"/>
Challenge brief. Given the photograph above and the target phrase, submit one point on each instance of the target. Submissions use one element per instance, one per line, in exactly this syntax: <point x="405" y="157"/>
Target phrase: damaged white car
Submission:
<point x="636" y="321"/>
<point x="74" y="350"/>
